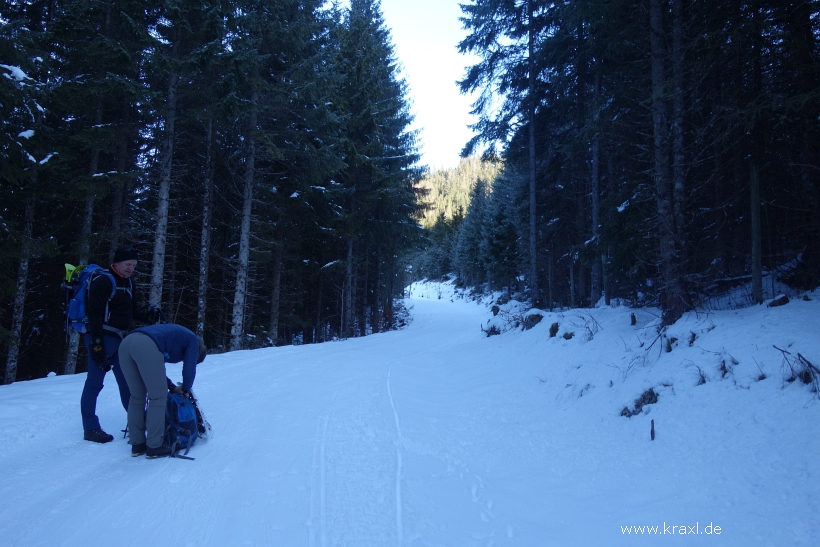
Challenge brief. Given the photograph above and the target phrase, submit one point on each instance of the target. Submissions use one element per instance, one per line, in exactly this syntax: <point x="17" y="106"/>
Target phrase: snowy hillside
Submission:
<point x="438" y="435"/>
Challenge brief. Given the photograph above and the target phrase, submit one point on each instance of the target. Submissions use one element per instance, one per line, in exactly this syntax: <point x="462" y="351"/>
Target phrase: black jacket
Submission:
<point x="121" y="309"/>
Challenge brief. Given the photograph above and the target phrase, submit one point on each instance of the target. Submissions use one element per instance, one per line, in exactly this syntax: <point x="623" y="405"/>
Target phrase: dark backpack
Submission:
<point x="77" y="282"/>
<point x="184" y="423"/>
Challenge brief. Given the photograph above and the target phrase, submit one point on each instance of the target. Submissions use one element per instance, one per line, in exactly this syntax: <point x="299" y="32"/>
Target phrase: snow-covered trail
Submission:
<point x="431" y="436"/>
<point x="347" y="443"/>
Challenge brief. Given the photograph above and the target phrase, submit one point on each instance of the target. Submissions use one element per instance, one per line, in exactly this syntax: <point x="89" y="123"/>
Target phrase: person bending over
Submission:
<point x="143" y="354"/>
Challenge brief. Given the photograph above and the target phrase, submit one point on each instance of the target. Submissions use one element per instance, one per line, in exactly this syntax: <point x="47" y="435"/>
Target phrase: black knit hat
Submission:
<point x="125" y="252"/>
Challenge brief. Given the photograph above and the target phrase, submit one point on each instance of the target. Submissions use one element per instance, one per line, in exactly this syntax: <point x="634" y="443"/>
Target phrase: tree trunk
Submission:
<point x="319" y="325"/>
<point x="389" y="316"/>
<point x="241" y="293"/>
<point x="595" y="289"/>
<point x="171" y="289"/>
<point x="116" y="218"/>
<point x="84" y="252"/>
<point x="679" y="157"/>
<point x="756" y="154"/>
<point x="581" y="226"/>
<point x="757" y="253"/>
<point x="82" y="258"/>
<point x="273" y="329"/>
<point x="536" y="298"/>
<point x="347" y="300"/>
<point x="549" y="279"/>
<point x="610" y="189"/>
<point x="672" y="295"/>
<point x="355" y="301"/>
<point x="20" y="293"/>
<point x="205" y="235"/>
<point x="361" y="292"/>
<point x="121" y="187"/>
<point x="163" y="196"/>
<point x="581" y="292"/>
<point x="376" y="314"/>
<point x="605" y="277"/>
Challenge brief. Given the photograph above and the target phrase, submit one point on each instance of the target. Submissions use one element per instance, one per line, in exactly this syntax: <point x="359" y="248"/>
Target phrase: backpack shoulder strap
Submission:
<point x="96" y="274"/>
<point x="100" y="272"/>
<point x="129" y="289"/>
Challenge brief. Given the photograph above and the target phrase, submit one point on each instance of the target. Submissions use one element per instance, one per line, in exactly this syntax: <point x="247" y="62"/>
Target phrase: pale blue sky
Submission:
<point x="425" y="34"/>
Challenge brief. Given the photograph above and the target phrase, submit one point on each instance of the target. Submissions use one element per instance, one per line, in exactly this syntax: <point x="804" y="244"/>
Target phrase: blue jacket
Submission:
<point x="177" y="344"/>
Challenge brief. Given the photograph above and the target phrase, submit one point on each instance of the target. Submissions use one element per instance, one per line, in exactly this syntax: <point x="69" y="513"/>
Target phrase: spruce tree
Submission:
<point x="379" y="177"/>
<point x="26" y="150"/>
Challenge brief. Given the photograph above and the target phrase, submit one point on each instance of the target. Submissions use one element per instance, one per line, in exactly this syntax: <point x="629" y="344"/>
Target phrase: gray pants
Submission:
<point x="143" y="366"/>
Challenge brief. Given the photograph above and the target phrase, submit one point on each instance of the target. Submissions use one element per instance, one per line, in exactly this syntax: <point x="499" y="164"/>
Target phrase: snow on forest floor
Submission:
<point x="437" y="435"/>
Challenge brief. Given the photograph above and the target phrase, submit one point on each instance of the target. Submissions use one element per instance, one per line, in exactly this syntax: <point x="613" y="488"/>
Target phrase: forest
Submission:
<point x="257" y="154"/>
<point x="658" y="152"/>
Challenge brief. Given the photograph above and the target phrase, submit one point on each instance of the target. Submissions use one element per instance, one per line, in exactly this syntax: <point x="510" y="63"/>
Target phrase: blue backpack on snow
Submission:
<point x="181" y="425"/>
<point x="184" y="424"/>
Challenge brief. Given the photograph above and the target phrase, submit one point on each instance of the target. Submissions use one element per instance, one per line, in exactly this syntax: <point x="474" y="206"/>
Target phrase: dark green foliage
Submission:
<point x="378" y="191"/>
<point x="468" y="246"/>
<point x="498" y="249"/>
<point x="27" y="191"/>
<point x="739" y="89"/>
<point x="447" y="191"/>
<point x="335" y="161"/>
<point x="435" y="259"/>
<point x="448" y="194"/>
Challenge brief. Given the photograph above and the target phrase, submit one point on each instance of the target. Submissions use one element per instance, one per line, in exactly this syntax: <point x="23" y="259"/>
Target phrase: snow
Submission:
<point x="27" y="134"/>
<point x="16" y="73"/>
<point x="48" y="157"/>
<point x="437" y="435"/>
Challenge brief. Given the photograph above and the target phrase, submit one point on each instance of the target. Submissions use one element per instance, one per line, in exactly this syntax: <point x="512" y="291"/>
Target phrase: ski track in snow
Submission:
<point x="399" y="526"/>
<point x="437" y="436"/>
<point x="318" y="468"/>
<point x="323" y="483"/>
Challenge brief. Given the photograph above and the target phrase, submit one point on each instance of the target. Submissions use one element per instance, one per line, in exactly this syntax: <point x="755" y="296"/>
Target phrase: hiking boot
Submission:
<point x="159" y="452"/>
<point x="138" y="449"/>
<point x="97" y="436"/>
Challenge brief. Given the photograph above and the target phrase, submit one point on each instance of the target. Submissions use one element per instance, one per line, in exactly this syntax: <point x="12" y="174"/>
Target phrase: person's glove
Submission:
<point x="155" y="315"/>
<point x="99" y="356"/>
<point x="98" y="352"/>
<point x="178" y="390"/>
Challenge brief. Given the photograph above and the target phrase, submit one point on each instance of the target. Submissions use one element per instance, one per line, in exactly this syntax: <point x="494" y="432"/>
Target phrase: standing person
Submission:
<point x="143" y="355"/>
<point x="109" y="317"/>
